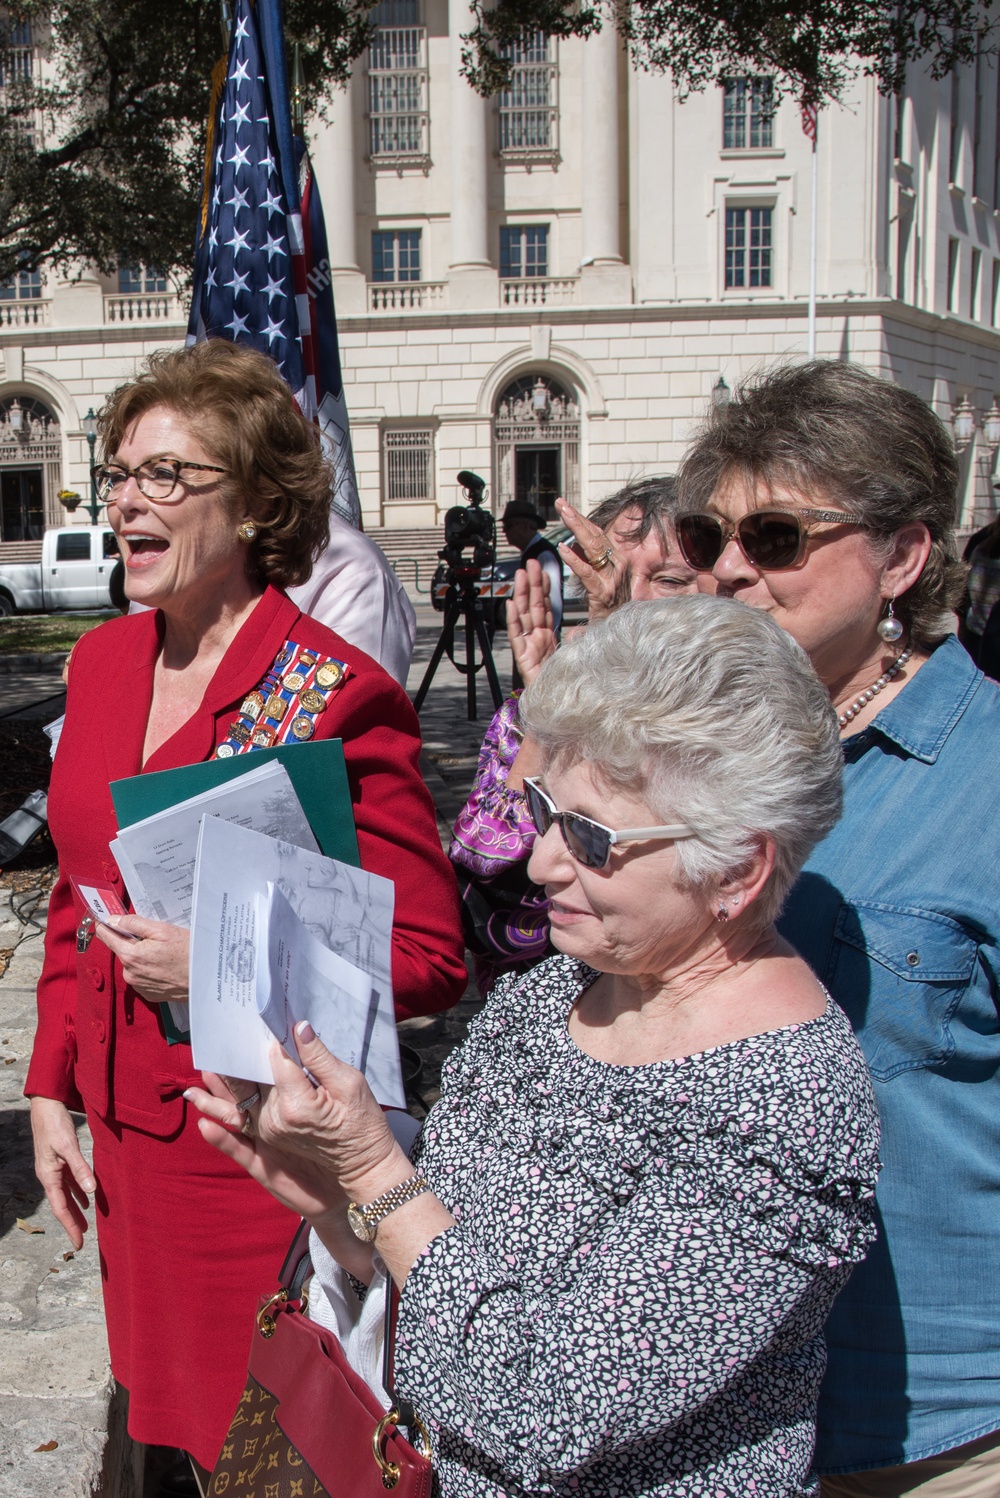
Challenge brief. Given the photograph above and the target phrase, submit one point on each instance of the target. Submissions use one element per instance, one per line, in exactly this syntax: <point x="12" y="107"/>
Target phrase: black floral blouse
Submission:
<point x="633" y="1298"/>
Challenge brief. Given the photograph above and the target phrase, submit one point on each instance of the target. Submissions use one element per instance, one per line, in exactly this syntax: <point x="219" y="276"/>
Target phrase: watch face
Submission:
<point x="360" y="1226"/>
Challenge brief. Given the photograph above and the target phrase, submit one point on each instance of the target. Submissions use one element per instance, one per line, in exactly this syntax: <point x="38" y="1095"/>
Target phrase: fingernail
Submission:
<point x="305" y="1032"/>
<point x="189" y="1094"/>
<point x="89" y="1185"/>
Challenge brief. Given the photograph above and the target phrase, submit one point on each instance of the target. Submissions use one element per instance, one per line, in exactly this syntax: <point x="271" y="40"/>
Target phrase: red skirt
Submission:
<point x="188" y="1243"/>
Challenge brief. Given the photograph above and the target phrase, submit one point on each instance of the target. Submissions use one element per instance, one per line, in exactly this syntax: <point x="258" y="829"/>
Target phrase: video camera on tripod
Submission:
<point x="468" y="527"/>
<point x="457" y="590"/>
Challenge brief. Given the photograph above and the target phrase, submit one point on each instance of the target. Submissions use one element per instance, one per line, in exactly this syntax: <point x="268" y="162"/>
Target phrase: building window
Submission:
<point x="527" y="110"/>
<point x="748" y="247"/>
<point x="978" y="143"/>
<point x="397" y="85"/>
<point x="747" y="114"/>
<point x="396" y="255"/>
<point x="975" y="278"/>
<point x="408" y="464"/>
<point x="899" y="127"/>
<point x="17" y="53"/>
<point x="952" y="287"/>
<point x="995" y="295"/>
<point x="524" y="251"/>
<point x="24" y="287"/>
<point x="135" y="280"/>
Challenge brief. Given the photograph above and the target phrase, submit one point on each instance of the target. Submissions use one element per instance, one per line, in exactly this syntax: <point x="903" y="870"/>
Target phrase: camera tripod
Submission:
<point x="465" y="600"/>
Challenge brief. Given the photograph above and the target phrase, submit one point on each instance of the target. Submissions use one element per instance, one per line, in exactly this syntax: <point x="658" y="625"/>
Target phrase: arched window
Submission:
<point x="536" y="441"/>
<point x="30" y="464"/>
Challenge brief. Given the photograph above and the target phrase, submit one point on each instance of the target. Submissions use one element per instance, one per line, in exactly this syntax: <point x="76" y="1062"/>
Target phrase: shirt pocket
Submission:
<point x="900" y="974"/>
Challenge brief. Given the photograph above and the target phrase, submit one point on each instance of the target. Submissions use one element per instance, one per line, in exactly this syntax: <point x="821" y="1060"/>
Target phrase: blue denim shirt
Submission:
<point x="898" y="912"/>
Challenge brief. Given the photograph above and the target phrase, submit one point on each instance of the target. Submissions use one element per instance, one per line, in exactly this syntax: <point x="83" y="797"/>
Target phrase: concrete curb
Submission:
<point x="33" y="661"/>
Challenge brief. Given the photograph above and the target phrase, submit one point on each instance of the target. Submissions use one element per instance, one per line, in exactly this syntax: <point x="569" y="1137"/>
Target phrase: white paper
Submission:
<point x="157" y="855"/>
<point x="301" y="979"/>
<point x="348" y="911"/>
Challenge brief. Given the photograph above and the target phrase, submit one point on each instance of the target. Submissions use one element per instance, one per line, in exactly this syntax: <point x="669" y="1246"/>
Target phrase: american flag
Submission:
<point x="809" y="121"/>
<point x="253" y="282"/>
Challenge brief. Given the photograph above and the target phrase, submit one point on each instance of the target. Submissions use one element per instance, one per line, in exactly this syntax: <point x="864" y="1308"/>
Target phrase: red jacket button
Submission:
<point x="100" y="1031"/>
<point x="96" y="977"/>
<point x="110" y="872"/>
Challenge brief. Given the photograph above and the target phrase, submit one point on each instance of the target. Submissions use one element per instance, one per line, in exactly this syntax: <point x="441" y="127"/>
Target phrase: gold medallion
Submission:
<point x="302" y="728"/>
<point x="313" y="702"/>
<point x="294" y="681"/>
<point x="241" y="732"/>
<point x="263" y="738"/>
<point x="275" y="706"/>
<point x="253" y="705"/>
<point x="329" y="674"/>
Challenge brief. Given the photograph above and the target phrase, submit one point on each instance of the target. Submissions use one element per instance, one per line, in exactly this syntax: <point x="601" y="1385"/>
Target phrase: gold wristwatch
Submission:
<point x="364" y="1220"/>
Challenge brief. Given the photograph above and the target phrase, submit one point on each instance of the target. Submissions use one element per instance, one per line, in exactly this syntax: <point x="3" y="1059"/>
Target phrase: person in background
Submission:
<point x="522" y="526"/>
<point x="653" y="1161"/>
<point x="219" y="495"/>
<point x="626" y="549"/>
<point x="354" y="591"/>
<point x="825" y="497"/>
<point x="979" y="618"/>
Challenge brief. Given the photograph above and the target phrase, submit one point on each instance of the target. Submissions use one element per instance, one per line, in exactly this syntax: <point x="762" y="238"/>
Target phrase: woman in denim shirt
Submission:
<point x="827" y="497"/>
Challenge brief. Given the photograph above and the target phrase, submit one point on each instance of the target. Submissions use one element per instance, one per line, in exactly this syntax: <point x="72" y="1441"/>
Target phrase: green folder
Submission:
<point x="317" y="772"/>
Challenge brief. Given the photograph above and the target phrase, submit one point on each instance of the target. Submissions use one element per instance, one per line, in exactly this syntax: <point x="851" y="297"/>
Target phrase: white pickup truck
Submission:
<point x="74" y="573"/>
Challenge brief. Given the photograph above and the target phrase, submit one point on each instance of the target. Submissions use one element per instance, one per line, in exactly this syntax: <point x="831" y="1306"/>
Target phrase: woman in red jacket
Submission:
<point x="219" y="494"/>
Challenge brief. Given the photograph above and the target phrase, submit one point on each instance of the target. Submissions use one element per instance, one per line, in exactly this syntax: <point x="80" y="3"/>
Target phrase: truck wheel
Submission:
<point x="6" y="605"/>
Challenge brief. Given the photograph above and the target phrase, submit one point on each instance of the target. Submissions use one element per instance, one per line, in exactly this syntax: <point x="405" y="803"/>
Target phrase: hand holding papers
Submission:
<point x="343" y="911"/>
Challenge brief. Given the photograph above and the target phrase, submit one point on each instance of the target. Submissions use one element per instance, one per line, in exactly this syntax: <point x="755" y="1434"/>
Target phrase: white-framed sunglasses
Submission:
<point x="590" y="842"/>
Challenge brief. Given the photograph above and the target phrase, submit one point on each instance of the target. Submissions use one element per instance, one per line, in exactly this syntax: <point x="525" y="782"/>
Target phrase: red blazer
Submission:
<point x="98" y="1043"/>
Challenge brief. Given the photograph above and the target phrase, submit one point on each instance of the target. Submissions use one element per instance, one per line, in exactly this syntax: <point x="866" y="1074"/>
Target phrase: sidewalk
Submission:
<point x="55" y="1380"/>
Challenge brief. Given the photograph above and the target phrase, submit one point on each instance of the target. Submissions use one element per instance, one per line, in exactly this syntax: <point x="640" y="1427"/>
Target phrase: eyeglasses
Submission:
<point x="157" y="477"/>
<point x="590" y="842"/>
<point x="769" y="539"/>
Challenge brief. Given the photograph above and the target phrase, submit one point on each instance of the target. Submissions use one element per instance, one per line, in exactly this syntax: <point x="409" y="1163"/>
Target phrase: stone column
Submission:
<point x="472" y="277"/>
<point x="333" y="148"/>
<point x="604" y="275"/>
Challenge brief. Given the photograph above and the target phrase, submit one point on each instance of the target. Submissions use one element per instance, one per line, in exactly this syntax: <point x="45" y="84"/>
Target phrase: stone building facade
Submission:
<point x="547" y="287"/>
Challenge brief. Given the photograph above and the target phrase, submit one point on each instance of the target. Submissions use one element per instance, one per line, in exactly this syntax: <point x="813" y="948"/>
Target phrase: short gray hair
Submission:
<point x="711" y="713"/>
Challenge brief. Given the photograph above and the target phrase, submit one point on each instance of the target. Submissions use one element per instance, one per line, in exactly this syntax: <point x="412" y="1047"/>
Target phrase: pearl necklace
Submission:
<point x="877" y="686"/>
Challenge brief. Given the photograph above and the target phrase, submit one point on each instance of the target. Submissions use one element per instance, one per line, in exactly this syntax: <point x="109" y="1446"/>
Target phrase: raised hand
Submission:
<point x="596" y="561"/>
<point x="530" y="620"/>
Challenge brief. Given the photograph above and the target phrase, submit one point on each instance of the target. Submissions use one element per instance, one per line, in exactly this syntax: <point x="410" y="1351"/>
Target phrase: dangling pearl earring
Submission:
<point x="890" y="629"/>
<point x="247" y="531"/>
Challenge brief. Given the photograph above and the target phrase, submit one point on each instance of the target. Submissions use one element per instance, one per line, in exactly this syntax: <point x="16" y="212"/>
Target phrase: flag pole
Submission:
<point x="812" y="247"/>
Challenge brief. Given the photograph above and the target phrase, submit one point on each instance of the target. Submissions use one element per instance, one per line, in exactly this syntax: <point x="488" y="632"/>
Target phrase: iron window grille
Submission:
<point x="408" y="464"/>
<point x="527" y="111"/>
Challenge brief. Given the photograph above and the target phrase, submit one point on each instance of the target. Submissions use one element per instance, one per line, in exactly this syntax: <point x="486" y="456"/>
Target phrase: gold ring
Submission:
<point x="604" y="560"/>
<point x="247" y="1129"/>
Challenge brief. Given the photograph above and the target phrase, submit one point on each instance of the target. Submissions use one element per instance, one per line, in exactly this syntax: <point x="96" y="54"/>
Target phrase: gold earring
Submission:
<point x="247" y="531"/>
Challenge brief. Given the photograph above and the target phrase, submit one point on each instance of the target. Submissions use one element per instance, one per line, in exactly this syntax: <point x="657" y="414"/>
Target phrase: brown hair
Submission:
<point x="839" y="433"/>
<point x="654" y="499"/>
<point x="245" y="417"/>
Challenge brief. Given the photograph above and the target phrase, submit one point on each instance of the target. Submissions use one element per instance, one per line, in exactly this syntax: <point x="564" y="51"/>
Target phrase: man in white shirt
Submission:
<point x="354" y="591"/>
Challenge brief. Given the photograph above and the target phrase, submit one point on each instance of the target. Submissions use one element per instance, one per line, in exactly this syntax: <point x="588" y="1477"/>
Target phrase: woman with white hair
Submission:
<point x="653" y="1162"/>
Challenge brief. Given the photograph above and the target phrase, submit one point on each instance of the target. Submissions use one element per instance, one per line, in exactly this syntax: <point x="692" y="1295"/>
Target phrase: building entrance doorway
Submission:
<point x="536" y="445"/>
<point x="22" y="504"/>
<point x="30" y="464"/>
<point x="538" y="477"/>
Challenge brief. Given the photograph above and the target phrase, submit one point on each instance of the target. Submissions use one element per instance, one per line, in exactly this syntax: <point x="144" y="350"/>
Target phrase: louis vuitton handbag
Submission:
<point x="307" y="1425"/>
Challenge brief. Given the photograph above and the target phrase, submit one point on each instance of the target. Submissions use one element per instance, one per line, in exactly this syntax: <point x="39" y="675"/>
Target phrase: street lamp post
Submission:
<point x="90" y="429"/>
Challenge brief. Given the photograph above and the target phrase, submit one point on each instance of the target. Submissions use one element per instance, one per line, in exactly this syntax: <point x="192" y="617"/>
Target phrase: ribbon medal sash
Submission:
<point x="285" y="707"/>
